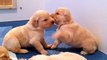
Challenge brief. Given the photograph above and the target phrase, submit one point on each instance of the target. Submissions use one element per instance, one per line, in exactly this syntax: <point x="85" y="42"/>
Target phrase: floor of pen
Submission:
<point x="61" y="48"/>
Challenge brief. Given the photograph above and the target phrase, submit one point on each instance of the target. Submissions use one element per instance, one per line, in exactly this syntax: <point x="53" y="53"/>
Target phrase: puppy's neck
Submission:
<point x="34" y="28"/>
<point x="60" y="25"/>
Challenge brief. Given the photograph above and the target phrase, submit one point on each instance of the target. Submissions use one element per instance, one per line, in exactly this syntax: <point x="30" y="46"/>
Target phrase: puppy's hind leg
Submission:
<point x="19" y="50"/>
<point x="88" y="48"/>
<point x="37" y="45"/>
<point x="14" y="46"/>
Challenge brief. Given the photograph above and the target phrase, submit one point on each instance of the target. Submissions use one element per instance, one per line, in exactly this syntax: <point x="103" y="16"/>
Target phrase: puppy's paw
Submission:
<point x="83" y="53"/>
<point x="53" y="47"/>
<point x="49" y="46"/>
<point x="44" y="52"/>
<point x="23" y="51"/>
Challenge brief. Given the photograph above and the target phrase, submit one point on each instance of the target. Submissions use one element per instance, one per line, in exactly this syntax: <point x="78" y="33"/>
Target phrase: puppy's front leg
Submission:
<point x="56" y="37"/>
<point x="36" y="43"/>
<point x="45" y="44"/>
<point x="55" y="44"/>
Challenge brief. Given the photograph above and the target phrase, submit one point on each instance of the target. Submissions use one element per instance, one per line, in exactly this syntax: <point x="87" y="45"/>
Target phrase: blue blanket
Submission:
<point x="61" y="48"/>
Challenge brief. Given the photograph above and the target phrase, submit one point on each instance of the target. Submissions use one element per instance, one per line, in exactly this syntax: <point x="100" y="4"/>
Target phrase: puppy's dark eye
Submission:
<point x="57" y="13"/>
<point x="45" y="19"/>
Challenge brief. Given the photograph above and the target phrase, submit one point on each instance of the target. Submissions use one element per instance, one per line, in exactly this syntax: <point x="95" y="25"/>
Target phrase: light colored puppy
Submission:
<point x="30" y="34"/>
<point x="60" y="56"/>
<point x="72" y="33"/>
<point x="4" y="54"/>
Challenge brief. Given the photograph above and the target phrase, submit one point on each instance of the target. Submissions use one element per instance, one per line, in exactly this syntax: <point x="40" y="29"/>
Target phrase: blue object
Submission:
<point x="48" y="33"/>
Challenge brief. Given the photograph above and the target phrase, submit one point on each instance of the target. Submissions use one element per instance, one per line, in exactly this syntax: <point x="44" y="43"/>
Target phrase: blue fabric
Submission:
<point x="61" y="48"/>
<point x="3" y="31"/>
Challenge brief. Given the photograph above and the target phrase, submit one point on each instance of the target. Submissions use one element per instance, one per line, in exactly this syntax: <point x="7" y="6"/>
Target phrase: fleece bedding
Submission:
<point x="48" y="33"/>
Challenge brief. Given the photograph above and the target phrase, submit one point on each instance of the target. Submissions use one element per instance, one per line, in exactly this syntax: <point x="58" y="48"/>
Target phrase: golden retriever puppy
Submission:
<point x="30" y="34"/>
<point x="71" y="33"/>
<point x="60" y="56"/>
<point x="4" y="54"/>
<point x="39" y="57"/>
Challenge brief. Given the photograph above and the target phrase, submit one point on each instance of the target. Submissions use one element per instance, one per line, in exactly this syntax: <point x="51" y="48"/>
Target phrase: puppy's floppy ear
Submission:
<point x="34" y="21"/>
<point x="68" y="17"/>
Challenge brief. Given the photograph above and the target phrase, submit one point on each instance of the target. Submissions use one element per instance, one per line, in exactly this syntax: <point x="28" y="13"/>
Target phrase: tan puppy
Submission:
<point x="61" y="56"/>
<point x="4" y="54"/>
<point x="30" y="34"/>
<point x="72" y="33"/>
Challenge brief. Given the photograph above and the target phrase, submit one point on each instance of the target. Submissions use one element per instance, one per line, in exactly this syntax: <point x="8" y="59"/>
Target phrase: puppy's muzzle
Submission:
<point x="52" y="22"/>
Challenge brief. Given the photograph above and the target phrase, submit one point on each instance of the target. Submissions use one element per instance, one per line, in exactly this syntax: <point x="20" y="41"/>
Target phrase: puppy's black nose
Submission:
<point x="52" y="22"/>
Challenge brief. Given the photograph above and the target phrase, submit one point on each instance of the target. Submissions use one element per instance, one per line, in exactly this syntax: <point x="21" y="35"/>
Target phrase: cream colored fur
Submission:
<point x="30" y="34"/>
<point x="73" y="34"/>
<point x="60" y="56"/>
<point x="4" y="54"/>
